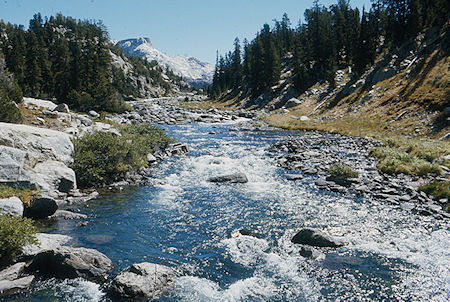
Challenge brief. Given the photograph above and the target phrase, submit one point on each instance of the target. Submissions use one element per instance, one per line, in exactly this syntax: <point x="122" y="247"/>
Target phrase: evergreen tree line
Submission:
<point x="69" y="61"/>
<point x="10" y="95"/>
<point x="330" y="38"/>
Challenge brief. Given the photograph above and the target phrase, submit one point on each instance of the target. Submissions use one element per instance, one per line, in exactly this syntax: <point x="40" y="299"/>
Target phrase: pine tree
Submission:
<point x="60" y="61"/>
<point x="301" y="80"/>
<point x="272" y="64"/>
<point x="236" y="68"/>
<point x="33" y="78"/>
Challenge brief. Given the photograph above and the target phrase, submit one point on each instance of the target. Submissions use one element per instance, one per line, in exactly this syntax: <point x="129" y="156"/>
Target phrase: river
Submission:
<point x="184" y="221"/>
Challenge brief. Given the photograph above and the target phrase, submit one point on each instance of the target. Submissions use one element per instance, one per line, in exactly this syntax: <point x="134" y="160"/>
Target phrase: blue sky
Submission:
<point x="194" y="27"/>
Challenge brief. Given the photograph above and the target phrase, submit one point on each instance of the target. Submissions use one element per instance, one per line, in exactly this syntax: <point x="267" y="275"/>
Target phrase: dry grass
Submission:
<point x="24" y="194"/>
<point x="35" y="117"/>
<point x="353" y="125"/>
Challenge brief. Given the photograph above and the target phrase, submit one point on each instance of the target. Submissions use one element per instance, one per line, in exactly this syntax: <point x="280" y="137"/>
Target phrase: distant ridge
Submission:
<point x="191" y="69"/>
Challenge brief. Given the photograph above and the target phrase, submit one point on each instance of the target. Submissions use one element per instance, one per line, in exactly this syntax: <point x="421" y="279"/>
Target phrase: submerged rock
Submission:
<point x="314" y="237"/>
<point x="243" y="232"/>
<point x="68" y="215"/>
<point x="293" y="176"/>
<point x="143" y="280"/>
<point x="231" y="178"/>
<point x="72" y="262"/>
<point x="309" y="252"/>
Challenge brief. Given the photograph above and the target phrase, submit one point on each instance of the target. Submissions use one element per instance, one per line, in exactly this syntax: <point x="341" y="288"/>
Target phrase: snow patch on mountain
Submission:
<point x="191" y="69"/>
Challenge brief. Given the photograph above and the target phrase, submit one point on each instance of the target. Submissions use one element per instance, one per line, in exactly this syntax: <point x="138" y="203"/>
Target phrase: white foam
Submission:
<point x="78" y="290"/>
<point x="199" y="289"/>
<point x="246" y="250"/>
<point x="415" y="248"/>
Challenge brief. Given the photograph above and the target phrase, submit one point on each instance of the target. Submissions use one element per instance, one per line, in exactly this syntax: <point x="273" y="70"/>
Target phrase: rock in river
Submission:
<point x="314" y="237"/>
<point x="143" y="280"/>
<point x="72" y="262"/>
<point x="12" y="280"/>
<point x="231" y="178"/>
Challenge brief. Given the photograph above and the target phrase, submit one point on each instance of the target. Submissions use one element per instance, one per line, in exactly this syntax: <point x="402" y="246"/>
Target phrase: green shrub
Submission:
<point x="437" y="189"/>
<point x="102" y="157"/>
<point x="146" y="138"/>
<point x="408" y="159"/>
<point x="84" y="101"/>
<point x="342" y="171"/>
<point x="9" y="113"/>
<point x="15" y="232"/>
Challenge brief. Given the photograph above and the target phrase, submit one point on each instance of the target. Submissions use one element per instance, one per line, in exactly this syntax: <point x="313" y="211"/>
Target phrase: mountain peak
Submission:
<point x="135" y="42"/>
<point x="191" y="69"/>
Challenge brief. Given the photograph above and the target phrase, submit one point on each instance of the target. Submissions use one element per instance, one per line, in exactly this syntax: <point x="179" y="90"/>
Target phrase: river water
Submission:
<point x="184" y="222"/>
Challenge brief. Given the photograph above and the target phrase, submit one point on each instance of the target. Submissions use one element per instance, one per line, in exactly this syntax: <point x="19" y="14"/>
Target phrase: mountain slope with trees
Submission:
<point x="344" y="52"/>
<point x="72" y="61"/>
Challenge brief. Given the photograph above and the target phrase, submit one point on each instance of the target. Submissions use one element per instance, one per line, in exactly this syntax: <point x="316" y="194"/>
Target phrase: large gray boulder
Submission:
<point x="36" y="156"/>
<point x="11" y="206"/>
<point x="83" y="120"/>
<point x="315" y="237"/>
<point x="143" y="280"/>
<point x="72" y="262"/>
<point x="45" y="242"/>
<point x="39" y="104"/>
<point x="94" y="114"/>
<point x="238" y="177"/>
<point x="292" y="103"/>
<point x="55" y="174"/>
<point x="13" y="272"/>
<point x="12" y="165"/>
<point x="41" y="207"/>
<point x="8" y="287"/>
<point x="39" y="143"/>
<point x="151" y="158"/>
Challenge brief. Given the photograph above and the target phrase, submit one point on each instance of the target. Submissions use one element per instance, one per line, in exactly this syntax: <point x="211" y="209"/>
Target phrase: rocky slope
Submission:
<point x="406" y="91"/>
<point x="38" y="155"/>
<point x="191" y="69"/>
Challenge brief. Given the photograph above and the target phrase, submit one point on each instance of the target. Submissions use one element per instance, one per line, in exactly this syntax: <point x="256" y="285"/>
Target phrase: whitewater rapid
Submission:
<point x="186" y="222"/>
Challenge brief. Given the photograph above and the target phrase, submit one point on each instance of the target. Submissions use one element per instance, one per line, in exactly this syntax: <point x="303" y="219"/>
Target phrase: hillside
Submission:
<point x="342" y="71"/>
<point x="138" y="77"/>
<point x="405" y="92"/>
<point x="73" y="62"/>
